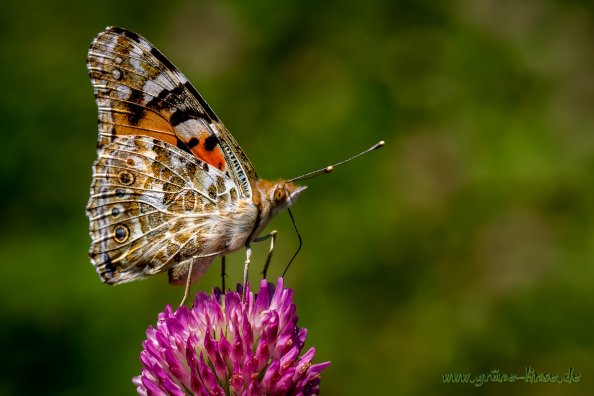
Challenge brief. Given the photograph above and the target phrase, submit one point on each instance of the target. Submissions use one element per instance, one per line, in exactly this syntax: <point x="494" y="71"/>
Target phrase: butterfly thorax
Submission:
<point x="230" y="230"/>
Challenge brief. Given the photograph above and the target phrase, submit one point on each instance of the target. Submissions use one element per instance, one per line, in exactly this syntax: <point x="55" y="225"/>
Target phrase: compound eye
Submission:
<point x="279" y="195"/>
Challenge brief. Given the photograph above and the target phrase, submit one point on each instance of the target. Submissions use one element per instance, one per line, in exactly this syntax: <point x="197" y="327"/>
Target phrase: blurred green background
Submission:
<point x="465" y="245"/>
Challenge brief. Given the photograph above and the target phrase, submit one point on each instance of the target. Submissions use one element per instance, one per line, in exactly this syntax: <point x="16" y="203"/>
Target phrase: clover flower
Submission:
<point x="226" y="346"/>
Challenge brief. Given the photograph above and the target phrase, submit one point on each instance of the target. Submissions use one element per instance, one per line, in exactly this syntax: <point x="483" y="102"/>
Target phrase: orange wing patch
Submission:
<point x="208" y="150"/>
<point x="191" y="136"/>
<point x="150" y="124"/>
<point x="139" y="92"/>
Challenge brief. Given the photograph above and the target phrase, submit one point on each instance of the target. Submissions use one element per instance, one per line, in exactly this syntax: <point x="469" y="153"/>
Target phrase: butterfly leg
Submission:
<point x="272" y="237"/>
<point x="188" y="284"/>
<point x="223" y="273"/>
<point x="248" y="257"/>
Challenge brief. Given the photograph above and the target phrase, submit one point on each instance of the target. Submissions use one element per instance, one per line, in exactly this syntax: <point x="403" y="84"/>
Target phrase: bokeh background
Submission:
<point x="465" y="245"/>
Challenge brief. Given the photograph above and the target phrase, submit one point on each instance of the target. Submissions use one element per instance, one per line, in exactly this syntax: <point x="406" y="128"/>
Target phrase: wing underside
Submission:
<point x="140" y="92"/>
<point x="153" y="206"/>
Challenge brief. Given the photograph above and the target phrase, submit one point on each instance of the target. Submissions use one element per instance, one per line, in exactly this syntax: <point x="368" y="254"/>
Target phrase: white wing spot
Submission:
<point x="164" y="81"/>
<point x="151" y="89"/>
<point x="145" y="44"/>
<point x="123" y="92"/>
<point x="188" y="129"/>
<point x="137" y="66"/>
<point x="181" y="77"/>
<point x="116" y="74"/>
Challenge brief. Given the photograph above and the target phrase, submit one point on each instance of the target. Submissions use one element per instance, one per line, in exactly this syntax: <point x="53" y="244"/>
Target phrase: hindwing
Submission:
<point x="152" y="206"/>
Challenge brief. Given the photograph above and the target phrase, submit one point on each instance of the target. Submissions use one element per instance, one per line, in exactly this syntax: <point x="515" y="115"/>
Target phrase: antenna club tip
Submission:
<point x="379" y="144"/>
<point x="329" y="169"/>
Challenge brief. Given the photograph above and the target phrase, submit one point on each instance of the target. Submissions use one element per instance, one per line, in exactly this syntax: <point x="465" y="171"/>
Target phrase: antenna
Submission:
<point x="309" y="175"/>
<point x="330" y="168"/>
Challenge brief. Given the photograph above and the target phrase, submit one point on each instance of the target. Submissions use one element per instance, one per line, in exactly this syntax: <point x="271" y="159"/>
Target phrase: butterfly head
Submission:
<point x="283" y="195"/>
<point x="276" y="196"/>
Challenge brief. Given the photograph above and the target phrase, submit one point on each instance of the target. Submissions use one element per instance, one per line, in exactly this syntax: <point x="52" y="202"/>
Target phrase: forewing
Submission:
<point x="140" y="92"/>
<point x="150" y="208"/>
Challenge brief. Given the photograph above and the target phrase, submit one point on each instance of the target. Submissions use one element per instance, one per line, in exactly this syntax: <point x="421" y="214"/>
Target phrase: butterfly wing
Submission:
<point x="153" y="206"/>
<point x="140" y="92"/>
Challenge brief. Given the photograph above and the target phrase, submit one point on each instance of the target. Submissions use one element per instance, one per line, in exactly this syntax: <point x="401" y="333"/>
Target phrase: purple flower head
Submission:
<point x="226" y="346"/>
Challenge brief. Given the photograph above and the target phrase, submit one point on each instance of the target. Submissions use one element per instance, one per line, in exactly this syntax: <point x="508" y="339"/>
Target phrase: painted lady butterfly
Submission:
<point x="171" y="187"/>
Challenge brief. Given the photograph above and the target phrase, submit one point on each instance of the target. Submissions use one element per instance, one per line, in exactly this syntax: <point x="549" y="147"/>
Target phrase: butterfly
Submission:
<point x="171" y="189"/>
